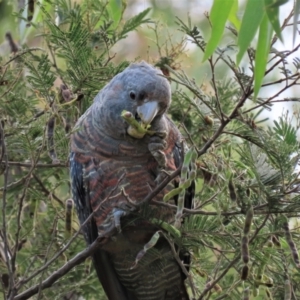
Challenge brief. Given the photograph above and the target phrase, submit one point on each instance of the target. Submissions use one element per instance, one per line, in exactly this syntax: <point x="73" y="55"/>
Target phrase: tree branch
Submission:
<point x="76" y="260"/>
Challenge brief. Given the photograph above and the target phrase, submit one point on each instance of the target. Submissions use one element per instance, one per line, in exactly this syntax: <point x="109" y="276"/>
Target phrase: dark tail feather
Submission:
<point x="108" y="278"/>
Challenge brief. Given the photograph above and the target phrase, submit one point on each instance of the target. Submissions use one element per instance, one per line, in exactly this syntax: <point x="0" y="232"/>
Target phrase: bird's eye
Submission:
<point x="132" y="95"/>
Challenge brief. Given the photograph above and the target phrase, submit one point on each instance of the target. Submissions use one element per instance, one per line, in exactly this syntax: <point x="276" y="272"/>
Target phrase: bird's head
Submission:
<point x="142" y="91"/>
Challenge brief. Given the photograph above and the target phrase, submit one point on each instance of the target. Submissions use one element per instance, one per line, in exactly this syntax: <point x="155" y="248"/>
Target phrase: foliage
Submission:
<point x="242" y="233"/>
<point x="262" y="15"/>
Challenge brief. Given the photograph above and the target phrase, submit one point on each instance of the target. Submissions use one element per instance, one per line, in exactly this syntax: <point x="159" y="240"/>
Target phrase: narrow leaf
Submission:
<point x="115" y="10"/>
<point x="167" y="227"/>
<point x="272" y="11"/>
<point x="262" y="51"/>
<point x="218" y="17"/>
<point x="278" y="3"/>
<point x="134" y="22"/>
<point x="233" y="15"/>
<point x="147" y="246"/>
<point x="296" y="15"/>
<point x="251" y="20"/>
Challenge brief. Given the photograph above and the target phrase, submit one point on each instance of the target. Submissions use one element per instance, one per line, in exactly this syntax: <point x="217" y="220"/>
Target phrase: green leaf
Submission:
<point x="167" y="227"/>
<point x="277" y="3"/>
<point x="262" y="51"/>
<point x="272" y="11"/>
<point x="153" y="241"/>
<point x="296" y="15"/>
<point x="233" y="15"/>
<point x="37" y="17"/>
<point x="218" y="17"/>
<point x="285" y="131"/>
<point x="115" y="8"/>
<point x="251" y="20"/>
<point x="134" y="22"/>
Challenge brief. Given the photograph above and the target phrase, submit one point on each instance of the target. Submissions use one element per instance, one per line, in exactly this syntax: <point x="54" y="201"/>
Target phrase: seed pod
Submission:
<point x="192" y="174"/>
<point x="154" y="239"/>
<point x="287" y="290"/>
<point x="248" y="220"/>
<point x="13" y="46"/>
<point x="184" y="170"/>
<point x="261" y="269"/>
<point x="30" y="11"/>
<point x="276" y="241"/>
<point x="186" y="184"/>
<point x="136" y="129"/>
<point x="226" y="221"/>
<point x="217" y="288"/>
<point x="200" y="273"/>
<point x="208" y="285"/>
<point x="69" y="216"/>
<point x="246" y="294"/>
<point x="255" y="290"/>
<point x="21" y="244"/>
<point x="66" y="94"/>
<point x="193" y="166"/>
<point x="50" y="137"/>
<point x="291" y="243"/>
<point x="172" y="193"/>
<point x="245" y="272"/>
<point x="5" y="280"/>
<point x="245" y="249"/>
<point x="189" y="156"/>
<point x="269" y="295"/>
<point x="266" y="281"/>
<point x="232" y="192"/>
<point x="268" y="284"/>
<point x="167" y="227"/>
<point x="208" y="121"/>
<point x="194" y="155"/>
<point x="248" y="192"/>
<point x="260" y="272"/>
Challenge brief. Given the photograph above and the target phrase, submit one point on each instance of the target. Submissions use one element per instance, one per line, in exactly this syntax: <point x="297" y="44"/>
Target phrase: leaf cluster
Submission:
<point x="43" y="92"/>
<point x="243" y="165"/>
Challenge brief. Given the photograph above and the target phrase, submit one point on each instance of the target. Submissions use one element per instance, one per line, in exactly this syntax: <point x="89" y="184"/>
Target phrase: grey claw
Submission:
<point x="118" y="213"/>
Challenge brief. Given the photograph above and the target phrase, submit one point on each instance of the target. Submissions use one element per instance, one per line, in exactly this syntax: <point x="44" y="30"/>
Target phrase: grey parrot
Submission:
<point x="114" y="165"/>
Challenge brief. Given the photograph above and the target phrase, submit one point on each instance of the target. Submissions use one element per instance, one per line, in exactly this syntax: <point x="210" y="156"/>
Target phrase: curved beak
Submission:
<point x="147" y="112"/>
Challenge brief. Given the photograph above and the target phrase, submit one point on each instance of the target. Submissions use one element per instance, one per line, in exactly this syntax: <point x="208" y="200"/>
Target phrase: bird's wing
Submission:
<point x="105" y="271"/>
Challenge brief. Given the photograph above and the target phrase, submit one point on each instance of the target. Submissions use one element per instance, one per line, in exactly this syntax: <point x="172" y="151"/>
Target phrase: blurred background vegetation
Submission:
<point x="50" y="72"/>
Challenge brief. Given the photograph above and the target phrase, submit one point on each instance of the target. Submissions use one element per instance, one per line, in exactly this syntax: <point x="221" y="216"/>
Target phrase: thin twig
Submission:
<point x="258" y="210"/>
<point x="4" y="226"/>
<point x="74" y="261"/>
<point x="274" y="96"/>
<point x="12" y="85"/>
<point x="46" y="191"/>
<point x="182" y="266"/>
<point x="21" y="53"/>
<point x="212" y="66"/>
<point x="39" y="165"/>
<point x="28" y="178"/>
<point x="161" y="186"/>
<point x="46" y="255"/>
<point x="281" y="59"/>
<point x="232" y="263"/>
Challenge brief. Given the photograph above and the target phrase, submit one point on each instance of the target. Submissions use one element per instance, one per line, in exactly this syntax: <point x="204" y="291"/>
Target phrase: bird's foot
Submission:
<point x="122" y="211"/>
<point x="112" y="224"/>
<point x="117" y="214"/>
